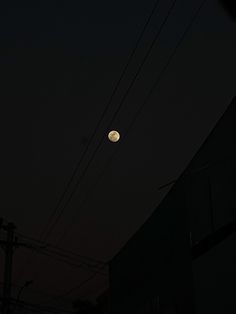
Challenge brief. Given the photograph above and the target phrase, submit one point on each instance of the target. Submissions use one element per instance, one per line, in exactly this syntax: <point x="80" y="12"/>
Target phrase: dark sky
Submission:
<point x="60" y="61"/>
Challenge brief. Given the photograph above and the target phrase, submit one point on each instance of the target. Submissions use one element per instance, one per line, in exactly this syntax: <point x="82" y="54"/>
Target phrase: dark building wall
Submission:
<point x="211" y="193"/>
<point x="215" y="278"/>
<point x="211" y="198"/>
<point x="104" y="302"/>
<point x="212" y="203"/>
<point x="156" y="261"/>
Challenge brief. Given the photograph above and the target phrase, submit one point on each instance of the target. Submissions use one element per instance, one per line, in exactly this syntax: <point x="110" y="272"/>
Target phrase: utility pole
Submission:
<point x="8" y="246"/>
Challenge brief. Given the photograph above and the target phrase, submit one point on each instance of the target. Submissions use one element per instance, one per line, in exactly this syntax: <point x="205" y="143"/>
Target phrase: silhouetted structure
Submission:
<point x="103" y="302"/>
<point x="84" y="307"/>
<point x="160" y="269"/>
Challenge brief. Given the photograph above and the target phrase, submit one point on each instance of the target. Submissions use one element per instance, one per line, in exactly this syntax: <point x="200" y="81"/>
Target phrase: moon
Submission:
<point x="114" y="136"/>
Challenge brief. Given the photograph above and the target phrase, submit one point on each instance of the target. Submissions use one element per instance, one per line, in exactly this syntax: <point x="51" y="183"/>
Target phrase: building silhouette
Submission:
<point x="182" y="260"/>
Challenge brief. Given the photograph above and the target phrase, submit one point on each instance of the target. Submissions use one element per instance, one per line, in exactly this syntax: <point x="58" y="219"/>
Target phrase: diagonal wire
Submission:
<point x="40" y="307"/>
<point x="154" y="86"/>
<point x="47" y="230"/>
<point x="101" y="118"/>
<point x="112" y="120"/>
<point x="62" y="259"/>
<point x="139" y="111"/>
<point x="77" y="287"/>
<point x="86" y="259"/>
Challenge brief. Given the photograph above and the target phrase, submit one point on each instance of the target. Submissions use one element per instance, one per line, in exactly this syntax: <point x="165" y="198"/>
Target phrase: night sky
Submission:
<point x="60" y="62"/>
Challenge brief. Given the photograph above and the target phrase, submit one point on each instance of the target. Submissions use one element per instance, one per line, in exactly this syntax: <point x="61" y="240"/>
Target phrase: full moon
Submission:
<point x="114" y="136"/>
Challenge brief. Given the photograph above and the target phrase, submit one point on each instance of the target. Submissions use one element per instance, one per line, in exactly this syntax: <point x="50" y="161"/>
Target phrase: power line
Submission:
<point x="59" y="257"/>
<point x="195" y="15"/>
<point x="68" y="256"/>
<point x="45" y="233"/>
<point x="101" y="118"/>
<point x="40" y="307"/>
<point x="142" y="106"/>
<point x="112" y="120"/>
<point x="86" y="259"/>
<point x="156" y="83"/>
<point x="39" y="292"/>
<point x="62" y="257"/>
<point x="76" y="288"/>
<point x="54" y="223"/>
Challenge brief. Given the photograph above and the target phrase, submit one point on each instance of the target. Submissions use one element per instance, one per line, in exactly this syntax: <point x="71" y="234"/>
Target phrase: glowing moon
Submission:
<point x="114" y="136"/>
